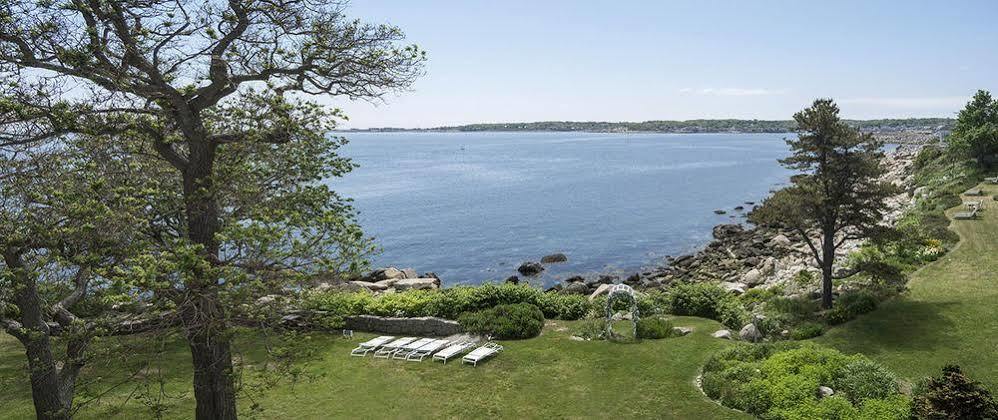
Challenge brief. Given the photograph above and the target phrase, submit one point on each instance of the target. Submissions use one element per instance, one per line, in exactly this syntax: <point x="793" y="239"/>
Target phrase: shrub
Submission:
<point x="863" y="379"/>
<point x="707" y="301"/>
<point x="697" y="299"/>
<point x="954" y="396"/>
<point x="654" y="328"/>
<point x="447" y="303"/>
<point x="567" y="307"/>
<point x="591" y="329"/>
<point x="850" y="305"/>
<point x="780" y="381"/>
<point x="505" y="322"/>
<point x="897" y="407"/>
<point x="807" y="330"/>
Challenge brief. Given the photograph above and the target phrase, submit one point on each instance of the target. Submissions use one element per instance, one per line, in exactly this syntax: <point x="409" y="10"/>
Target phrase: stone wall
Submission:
<point x="425" y="326"/>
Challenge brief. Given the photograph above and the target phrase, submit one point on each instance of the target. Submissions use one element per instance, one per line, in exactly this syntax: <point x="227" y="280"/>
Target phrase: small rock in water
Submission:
<point x="513" y="280"/>
<point x="739" y="208"/>
<point x="719" y="211"/>
<point x="530" y="268"/>
<point x="751" y="203"/>
<point x="554" y="258"/>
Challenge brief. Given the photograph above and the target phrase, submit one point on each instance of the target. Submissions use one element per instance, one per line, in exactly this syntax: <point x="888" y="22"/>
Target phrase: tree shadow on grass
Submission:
<point x="901" y="325"/>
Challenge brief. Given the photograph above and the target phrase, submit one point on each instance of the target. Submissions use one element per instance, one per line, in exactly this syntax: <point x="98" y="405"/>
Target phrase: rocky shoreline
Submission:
<point x="739" y="258"/>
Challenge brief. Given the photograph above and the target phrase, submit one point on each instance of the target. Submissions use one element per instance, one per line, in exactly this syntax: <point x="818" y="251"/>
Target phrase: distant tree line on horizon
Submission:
<point x="694" y="126"/>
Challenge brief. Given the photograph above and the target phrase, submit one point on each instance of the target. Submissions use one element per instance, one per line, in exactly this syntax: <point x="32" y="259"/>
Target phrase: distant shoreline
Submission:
<point x="732" y="126"/>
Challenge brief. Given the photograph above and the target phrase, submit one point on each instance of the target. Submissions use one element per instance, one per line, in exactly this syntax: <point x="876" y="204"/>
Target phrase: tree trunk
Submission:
<point x="46" y="391"/>
<point x="203" y="315"/>
<point x="827" y="263"/>
<point x="207" y="335"/>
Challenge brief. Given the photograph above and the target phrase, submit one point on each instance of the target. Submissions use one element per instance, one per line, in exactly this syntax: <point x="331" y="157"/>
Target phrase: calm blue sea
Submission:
<point x="472" y="206"/>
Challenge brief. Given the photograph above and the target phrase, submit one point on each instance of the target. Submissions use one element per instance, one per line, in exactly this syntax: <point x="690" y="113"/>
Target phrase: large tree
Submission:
<point x="177" y="77"/>
<point x="67" y="218"/>
<point x="837" y="194"/>
<point x="976" y="130"/>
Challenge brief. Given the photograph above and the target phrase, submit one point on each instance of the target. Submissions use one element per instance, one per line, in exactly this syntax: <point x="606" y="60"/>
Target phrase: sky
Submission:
<point x="520" y="61"/>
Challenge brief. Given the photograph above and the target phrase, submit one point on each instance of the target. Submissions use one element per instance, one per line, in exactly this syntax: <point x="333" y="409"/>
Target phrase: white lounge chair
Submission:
<point x="421" y="353"/>
<point x="370" y="345"/>
<point x="965" y="215"/>
<point x="386" y="350"/>
<point x="404" y="351"/>
<point x="481" y="353"/>
<point x="453" y="350"/>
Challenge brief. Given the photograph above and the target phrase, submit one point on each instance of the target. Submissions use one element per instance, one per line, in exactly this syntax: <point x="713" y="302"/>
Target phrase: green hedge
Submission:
<point x="781" y="381"/>
<point x="447" y="303"/>
<point x="505" y="322"/>
<point x="707" y="301"/>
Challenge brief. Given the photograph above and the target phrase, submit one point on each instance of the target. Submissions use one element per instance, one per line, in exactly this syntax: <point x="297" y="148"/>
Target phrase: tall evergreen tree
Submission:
<point x="976" y="130"/>
<point x="837" y="194"/>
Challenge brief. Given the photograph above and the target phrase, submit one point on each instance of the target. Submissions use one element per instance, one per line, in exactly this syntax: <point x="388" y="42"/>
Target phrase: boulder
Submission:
<point x="387" y="274"/>
<point x="417" y="284"/>
<point x="753" y="277"/>
<point x="825" y="392"/>
<point x="725" y="334"/>
<point x="734" y="288"/>
<point x="513" y="280"/>
<point x="750" y="333"/>
<point x="575" y="279"/>
<point x="681" y="331"/>
<point x="374" y="287"/>
<point x="602" y="289"/>
<point x="387" y="283"/>
<point x="430" y="275"/>
<point x="409" y="273"/>
<point x="530" y="268"/>
<point x="341" y="287"/>
<point x="554" y="258"/>
<point x="780" y="240"/>
<point x="576" y="289"/>
<point x="724" y="231"/>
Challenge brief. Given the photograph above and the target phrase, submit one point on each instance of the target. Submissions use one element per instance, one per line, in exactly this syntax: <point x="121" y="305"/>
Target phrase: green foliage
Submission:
<point x="852" y="304"/>
<point x="781" y="380"/>
<point x="838" y="182"/>
<point x="591" y="329"/>
<point x="449" y="303"/>
<point x="707" y="301"/>
<point x="654" y="328"/>
<point x="895" y="407"/>
<point x="807" y="330"/>
<point x="863" y="379"/>
<point x="954" y="396"/>
<point x="505" y="322"/>
<point x="976" y="130"/>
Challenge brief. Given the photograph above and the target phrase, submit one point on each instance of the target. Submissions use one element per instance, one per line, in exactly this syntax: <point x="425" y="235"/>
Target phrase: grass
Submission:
<point x="550" y="376"/>
<point x="949" y="314"/>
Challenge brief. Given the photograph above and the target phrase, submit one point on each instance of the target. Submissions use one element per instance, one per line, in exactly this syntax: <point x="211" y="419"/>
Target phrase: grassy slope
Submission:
<point x="547" y="377"/>
<point x="949" y="315"/>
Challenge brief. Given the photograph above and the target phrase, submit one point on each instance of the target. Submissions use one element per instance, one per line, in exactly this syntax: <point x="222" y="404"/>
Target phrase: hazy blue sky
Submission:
<point x="497" y="61"/>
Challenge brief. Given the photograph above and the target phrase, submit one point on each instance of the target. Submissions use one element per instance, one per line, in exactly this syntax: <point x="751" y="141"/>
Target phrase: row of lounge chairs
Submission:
<point x="415" y="349"/>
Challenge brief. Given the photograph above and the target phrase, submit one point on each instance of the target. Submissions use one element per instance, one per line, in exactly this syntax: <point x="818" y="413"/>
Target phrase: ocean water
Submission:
<point x="472" y="206"/>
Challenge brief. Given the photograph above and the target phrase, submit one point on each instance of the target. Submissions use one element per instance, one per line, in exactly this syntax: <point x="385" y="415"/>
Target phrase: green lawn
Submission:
<point x="547" y="377"/>
<point x="950" y="314"/>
